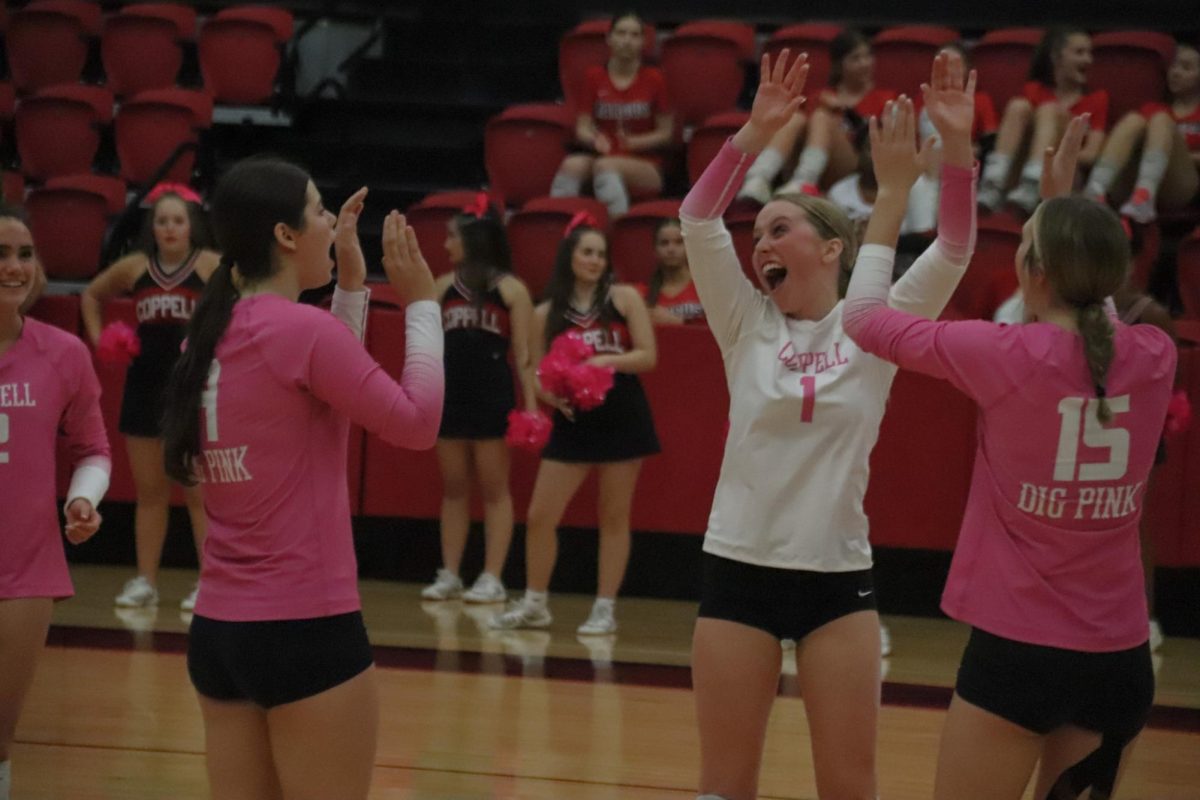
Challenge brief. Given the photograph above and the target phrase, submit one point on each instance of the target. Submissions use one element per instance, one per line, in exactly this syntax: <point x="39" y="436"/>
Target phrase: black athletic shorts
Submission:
<point x="786" y="603"/>
<point x="1043" y="688"/>
<point x="276" y="662"/>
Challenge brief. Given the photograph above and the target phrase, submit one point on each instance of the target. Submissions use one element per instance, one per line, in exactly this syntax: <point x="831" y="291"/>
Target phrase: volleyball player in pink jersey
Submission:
<point x="787" y="553"/>
<point x="259" y="409"/>
<point x="165" y="276"/>
<point x="1046" y="570"/>
<point x="47" y="384"/>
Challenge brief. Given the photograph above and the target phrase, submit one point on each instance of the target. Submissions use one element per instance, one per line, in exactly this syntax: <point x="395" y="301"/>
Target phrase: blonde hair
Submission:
<point x="830" y="222"/>
<point x="1084" y="253"/>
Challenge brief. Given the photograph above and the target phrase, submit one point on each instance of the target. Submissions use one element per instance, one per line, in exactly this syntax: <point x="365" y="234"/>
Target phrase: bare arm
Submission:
<point x="115" y="281"/>
<point x="520" y="314"/>
<point x="664" y="128"/>
<point x="587" y="134"/>
<point x="207" y="263"/>
<point x="537" y="351"/>
<point x="1091" y="147"/>
<point x="644" y="354"/>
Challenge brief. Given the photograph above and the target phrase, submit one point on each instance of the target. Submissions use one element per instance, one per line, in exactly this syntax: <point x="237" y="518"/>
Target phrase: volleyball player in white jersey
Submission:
<point x="786" y="552"/>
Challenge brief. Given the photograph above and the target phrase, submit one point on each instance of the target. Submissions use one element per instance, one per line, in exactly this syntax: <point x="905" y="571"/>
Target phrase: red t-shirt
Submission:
<point x="631" y="110"/>
<point x="986" y="120"/>
<point x="685" y="305"/>
<point x="1188" y="125"/>
<point x="1094" y="103"/>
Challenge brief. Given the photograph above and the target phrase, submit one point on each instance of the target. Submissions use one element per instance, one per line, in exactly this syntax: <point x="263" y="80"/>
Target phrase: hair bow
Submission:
<point x="479" y="207"/>
<point x="185" y="192"/>
<point x="580" y="218"/>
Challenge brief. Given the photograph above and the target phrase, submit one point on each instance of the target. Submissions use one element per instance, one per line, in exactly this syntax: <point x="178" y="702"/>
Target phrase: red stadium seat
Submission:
<point x="1132" y="66"/>
<point x="1001" y="58"/>
<point x="991" y="277"/>
<point x="903" y="55"/>
<point x="68" y="219"/>
<point x="46" y="45"/>
<point x="58" y="129"/>
<point x="708" y="139"/>
<point x="535" y="231"/>
<point x="739" y="33"/>
<point x="631" y="245"/>
<point x="704" y="76"/>
<point x="585" y="46"/>
<point x="240" y="53"/>
<point x="151" y="125"/>
<point x="429" y="218"/>
<point x="141" y="46"/>
<point x="813" y="38"/>
<point x="1188" y="266"/>
<point x="87" y="12"/>
<point x="523" y="147"/>
<point x="113" y="190"/>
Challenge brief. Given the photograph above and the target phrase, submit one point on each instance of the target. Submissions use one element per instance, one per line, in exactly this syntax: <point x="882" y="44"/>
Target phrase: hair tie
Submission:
<point x="580" y="218"/>
<point x="185" y="192"/>
<point x="1100" y="391"/>
<point x="477" y="208"/>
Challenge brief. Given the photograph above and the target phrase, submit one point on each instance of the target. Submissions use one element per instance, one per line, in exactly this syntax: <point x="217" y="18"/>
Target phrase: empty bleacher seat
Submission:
<point x="142" y="46"/>
<point x="58" y="129"/>
<point x="151" y="125"/>
<point x="903" y="55"/>
<point x="241" y="49"/>
<point x="69" y="217"/>
<point x="523" y="147"/>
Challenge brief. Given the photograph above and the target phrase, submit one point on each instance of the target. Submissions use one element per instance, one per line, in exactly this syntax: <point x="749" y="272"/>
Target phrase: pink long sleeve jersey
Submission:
<point x="47" y="384"/>
<point x="1048" y="551"/>
<point x="286" y="382"/>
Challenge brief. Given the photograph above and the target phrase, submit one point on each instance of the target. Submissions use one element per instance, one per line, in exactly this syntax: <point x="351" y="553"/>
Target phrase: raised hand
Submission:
<point x="406" y="269"/>
<point x="82" y="521"/>
<point x="776" y="101"/>
<point x="897" y="161"/>
<point x="949" y="101"/>
<point x="352" y="266"/>
<point x="1059" y="163"/>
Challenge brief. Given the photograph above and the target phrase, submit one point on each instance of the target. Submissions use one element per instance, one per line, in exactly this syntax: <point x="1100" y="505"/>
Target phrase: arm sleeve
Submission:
<point x="338" y="371"/>
<point x="927" y="286"/>
<point x="351" y="308"/>
<point x="730" y="302"/>
<point x="83" y="427"/>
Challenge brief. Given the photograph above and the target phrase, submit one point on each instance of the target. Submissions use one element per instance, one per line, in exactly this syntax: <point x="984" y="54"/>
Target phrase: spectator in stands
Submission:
<point x="855" y="196"/>
<point x="613" y="438"/>
<point x="671" y="295"/>
<point x="838" y="118"/>
<point x="49" y="388"/>
<point x="1057" y="90"/>
<point x="259" y="408"/>
<point x="787" y="554"/>
<point x="1168" y="136"/>
<point x="1057" y="669"/>
<point x="486" y="314"/>
<point x="624" y="118"/>
<point x="166" y="276"/>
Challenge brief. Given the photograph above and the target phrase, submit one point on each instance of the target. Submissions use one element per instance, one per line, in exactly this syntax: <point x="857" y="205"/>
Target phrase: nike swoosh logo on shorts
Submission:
<point x="861" y="593"/>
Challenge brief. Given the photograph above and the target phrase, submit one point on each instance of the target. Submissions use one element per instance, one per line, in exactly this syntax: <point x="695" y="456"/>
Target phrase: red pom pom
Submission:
<point x="528" y="430"/>
<point x="588" y="384"/>
<point x="118" y="344"/>
<point x="1179" y="413"/>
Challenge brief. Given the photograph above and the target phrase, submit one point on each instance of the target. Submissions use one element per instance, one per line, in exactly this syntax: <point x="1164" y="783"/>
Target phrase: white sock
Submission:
<point x="610" y="189"/>
<point x="767" y="165"/>
<point x="536" y="599"/>
<point x="995" y="168"/>
<point x="1032" y="172"/>
<point x="5" y="779"/>
<point x="811" y="166"/>
<point x="1101" y="179"/>
<point x="1151" y="171"/>
<point x="565" y="185"/>
<point x="608" y="603"/>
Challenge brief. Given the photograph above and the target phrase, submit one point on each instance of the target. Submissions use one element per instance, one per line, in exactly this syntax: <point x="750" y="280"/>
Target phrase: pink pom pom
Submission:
<point x="118" y="344"/>
<point x="552" y="373"/>
<point x="572" y="347"/>
<point x="588" y="384"/>
<point x="528" y="430"/>
<point x="1179" y="413"/>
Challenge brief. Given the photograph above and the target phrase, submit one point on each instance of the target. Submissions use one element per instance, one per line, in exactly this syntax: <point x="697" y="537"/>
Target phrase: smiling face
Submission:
<point x="17" y="263"/>
<point x="789" y="253"/>
<point x="1074" y="59"/>
<point x="1183" y="78"/>
<point x="668" y="247"/>
<point x="589" y="259"/>
<point x="314" y="242"/>
<point x="172" y="227"/>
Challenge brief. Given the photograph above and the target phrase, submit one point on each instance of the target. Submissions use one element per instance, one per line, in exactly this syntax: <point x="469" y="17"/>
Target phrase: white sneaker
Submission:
<point x="756" y="188"/>
<point x="1025" y="196"/>
<point x="189" y="603"/>
<point x="447" y="586"/>
<point x="989" y="197"/>
<point x="521" y="615"/>
<point x="138" y="593"/>
<point x="487" y="589"/>
<point x="600" y="622"/>
<point x="885" y="640"/>
<point x="1140" y="208"/>
<point x="1156" y="636"/>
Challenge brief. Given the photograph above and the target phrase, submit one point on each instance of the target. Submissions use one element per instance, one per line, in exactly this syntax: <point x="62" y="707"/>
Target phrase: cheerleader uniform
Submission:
<point x="621" y="428"/>
<point x="164" y="303"/>
<point x="479" y="380"/>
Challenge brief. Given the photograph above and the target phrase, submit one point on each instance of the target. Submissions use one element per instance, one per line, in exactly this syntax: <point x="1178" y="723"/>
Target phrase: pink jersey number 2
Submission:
<point x="808" y="385"/>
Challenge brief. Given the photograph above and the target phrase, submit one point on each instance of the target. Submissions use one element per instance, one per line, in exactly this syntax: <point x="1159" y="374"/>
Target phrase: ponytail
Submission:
<point x="181" y="420"/>
<point x="1097" y="333"/>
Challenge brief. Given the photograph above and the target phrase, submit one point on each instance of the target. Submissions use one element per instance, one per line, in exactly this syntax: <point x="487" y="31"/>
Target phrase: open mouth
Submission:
<point x="774" y="274"/>
<point x="11" y="284"/>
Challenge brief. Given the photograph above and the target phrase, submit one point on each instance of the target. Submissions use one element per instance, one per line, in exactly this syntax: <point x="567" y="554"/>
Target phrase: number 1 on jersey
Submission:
<point x="808" y="385"/>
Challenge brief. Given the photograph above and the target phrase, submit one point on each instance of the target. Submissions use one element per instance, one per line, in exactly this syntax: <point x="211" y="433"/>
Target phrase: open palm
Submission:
<point x="949" y="100"/>
<point x="779" y="86"/>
